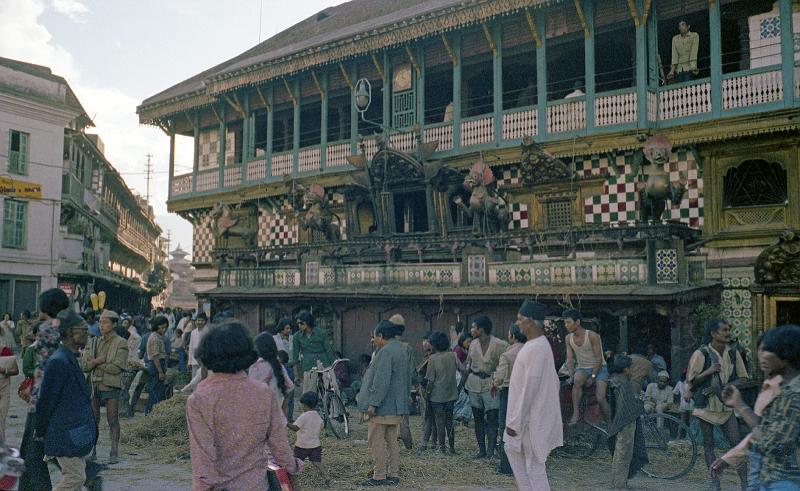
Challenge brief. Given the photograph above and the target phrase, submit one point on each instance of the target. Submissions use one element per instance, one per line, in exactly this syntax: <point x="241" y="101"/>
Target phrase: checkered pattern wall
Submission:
<point x="519" y="216"/>
<point x="619" y="201"/>
<point x="203" y="240"/>
<point x="509" y="176"/>
<point x="209" y="148"/>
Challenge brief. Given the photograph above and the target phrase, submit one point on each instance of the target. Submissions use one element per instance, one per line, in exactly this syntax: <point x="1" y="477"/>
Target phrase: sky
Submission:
<point x="116" y="53"/>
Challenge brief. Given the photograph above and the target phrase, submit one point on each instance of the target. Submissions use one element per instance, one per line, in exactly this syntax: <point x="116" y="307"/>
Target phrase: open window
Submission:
<point x="410" y="212"/>
<point x="310" y="122"/>
<point x="614" y="46"/>
<point x="683" y="40"/>
<point x="339" y="117"/>
<point x="438" y="84"/>
<point x="566" y="59"/>
<point x="283" y="129"/>
<point x="234" y="143"/>
<point x="519" y="66"/>
<point x="751" y="34"/>
<point x="477" y="75"/>
<point x="259" y="149"/>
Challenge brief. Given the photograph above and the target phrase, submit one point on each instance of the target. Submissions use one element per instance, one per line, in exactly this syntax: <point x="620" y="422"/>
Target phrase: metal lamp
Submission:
<point x="363" y="95"/>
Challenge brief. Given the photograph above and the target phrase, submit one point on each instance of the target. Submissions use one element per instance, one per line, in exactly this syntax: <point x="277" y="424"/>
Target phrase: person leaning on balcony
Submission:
<point x="684" y="53"/>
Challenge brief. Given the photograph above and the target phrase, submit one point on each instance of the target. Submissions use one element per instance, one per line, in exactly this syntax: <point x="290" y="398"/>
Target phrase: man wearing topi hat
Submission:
<point x="104" y="359"/>
<point x="399" y="323"/>
<point x="658" y="395"/>
<point x="533" y="420"/>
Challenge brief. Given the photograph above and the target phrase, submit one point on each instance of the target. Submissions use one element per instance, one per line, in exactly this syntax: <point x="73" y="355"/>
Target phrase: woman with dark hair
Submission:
<point x="269" y="370"/>
<point x="711" y="367"/>
<point x="232" y="418"/>
<point x="284" y="332"/>
<point x="441" y="389"/>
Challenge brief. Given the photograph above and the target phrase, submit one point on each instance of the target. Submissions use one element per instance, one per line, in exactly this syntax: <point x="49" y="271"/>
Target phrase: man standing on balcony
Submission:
<point x="684" y="54"/>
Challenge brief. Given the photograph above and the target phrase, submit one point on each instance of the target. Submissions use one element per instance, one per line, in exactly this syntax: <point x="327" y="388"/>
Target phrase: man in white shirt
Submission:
<point x="198" y="371"/>
<point x="533" y="421"/>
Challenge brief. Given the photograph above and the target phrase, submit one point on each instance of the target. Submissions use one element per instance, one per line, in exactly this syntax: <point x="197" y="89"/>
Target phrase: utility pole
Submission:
<point x="169" y="241"/>
<point x="148" y="169"/>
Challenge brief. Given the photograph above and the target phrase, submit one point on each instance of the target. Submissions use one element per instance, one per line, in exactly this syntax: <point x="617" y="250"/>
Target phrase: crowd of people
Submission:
<point x="243" y="391"/>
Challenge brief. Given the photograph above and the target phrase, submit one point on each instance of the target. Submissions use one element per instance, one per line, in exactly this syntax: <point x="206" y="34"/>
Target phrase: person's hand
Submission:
<point x="371" y="411"/>
<point x="161" y="376"/>
<point x="671" y="75"/>
<point x="99" y="360"/>
<point x="511" y="432"/>
<point x="589" y="382"/>
<point x="732" y="397"/>
<point x="715" y="368"/>
<point x="571" y="380"/>
<point x="717" y="467"/>
<point x="493" y="391"/>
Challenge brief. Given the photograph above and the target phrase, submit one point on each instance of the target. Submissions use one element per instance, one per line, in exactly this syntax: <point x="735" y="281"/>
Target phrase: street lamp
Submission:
<point x="363" y="96"/>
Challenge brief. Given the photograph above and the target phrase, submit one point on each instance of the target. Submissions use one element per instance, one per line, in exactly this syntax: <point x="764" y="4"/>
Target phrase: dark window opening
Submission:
<point x="750" y="35"/>
<point x="477" y="90"/>
<point x="339" y="118"/>
<point x="696" y="17"/>
<point x="519" y="80"/>
<point x="283" y="130"/>
<point x="310" y="121"/>
<point x="438" y="94"/>
<point x="755" y="183"/>
<point x="559" y="214"/>
<point x="566" y="68"/>
<point x="615" y="58"/>
<point x="15" y="141"/>
<point x="374" y="113"/>
<point x="410" y="212"/>
<point x="259" y="133"/>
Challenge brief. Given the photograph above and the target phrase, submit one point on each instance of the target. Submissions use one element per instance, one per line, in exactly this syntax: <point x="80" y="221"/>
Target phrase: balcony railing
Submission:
<point x="615" y="108"/>
<point x="564" y="116"/>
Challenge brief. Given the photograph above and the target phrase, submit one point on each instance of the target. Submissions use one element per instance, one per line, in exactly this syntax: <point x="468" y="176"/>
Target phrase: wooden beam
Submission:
<point x="378" y="67"/>
<point x="289" y="91"/>
<point x="489" y="39"/>
<point x="189" y="120"/>
<point x="413" y="61"/>
<point x="582" y="17"/>
<point x="634" y="12"/>
<point x="534" y="30"/>
<point x="263" y="99"/>
<point x="646" y="11"/>
<point x="213" y="108"/>
<point x="319" y="85"/>
<point x="346" y="76"/>
<point x="234" y="104"/>
<point x="449" y="49"/>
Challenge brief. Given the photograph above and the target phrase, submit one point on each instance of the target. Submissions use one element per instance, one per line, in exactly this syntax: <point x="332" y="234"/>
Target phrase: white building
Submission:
<point x="35" y="108"/>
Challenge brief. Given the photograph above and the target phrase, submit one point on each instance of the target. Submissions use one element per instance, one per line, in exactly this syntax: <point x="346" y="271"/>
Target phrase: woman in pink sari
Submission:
<point x="232" y="419"/>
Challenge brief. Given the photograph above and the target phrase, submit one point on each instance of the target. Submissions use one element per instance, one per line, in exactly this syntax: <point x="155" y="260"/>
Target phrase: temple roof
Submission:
<point x="347" y="30"/>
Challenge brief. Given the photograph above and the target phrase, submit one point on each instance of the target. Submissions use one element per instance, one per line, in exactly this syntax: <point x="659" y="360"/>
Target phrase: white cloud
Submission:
<point x="25" y="38"/>
<point x="75" y="10"/>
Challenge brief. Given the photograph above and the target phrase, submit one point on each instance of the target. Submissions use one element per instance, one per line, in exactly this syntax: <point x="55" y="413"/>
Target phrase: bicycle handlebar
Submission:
<point x="327" y="369"/>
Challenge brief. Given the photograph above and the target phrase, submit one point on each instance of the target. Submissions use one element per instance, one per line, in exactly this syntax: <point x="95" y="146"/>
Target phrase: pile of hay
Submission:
<point x="163" y="432"/>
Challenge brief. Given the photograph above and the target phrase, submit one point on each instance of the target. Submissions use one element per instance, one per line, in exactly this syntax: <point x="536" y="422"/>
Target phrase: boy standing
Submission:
<point x="308" y="427"/>
<point x="625" y="440"/>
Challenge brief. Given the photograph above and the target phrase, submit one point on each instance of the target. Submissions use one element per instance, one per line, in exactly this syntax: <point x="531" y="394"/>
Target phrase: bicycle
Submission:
<point x="332" y="409"/>
<point x="671" y="456"/>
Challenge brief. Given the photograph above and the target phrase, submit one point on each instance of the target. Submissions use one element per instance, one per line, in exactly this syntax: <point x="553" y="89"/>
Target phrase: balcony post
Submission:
<point x="715" y="45"/>
<point x="223" y="144"/>
<point x="387" y="92"/>
<point x="247" y="137"/>
<point x="323" y="126"/>
<point x="354" y="116"/>
<point x="270" y="130"/>
<point x="420" y="89"/>
<point x="296" y="125"/>
<point x="541" y="76"/>
<point x="497" y="71"/>
<point x="588" y="55"/>
<point x="457" y="92"/>
<point x="787" y="52"/>
<point x="642" y="68"/>
<point x="171" y="161"/>
<point x="196" y="152"/>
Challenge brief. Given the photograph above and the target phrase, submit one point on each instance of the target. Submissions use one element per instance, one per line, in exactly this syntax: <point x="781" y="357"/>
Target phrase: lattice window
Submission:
<point x="404" y="109"/>
<point x="755" y="183"/>
<point x="559" y="214"/>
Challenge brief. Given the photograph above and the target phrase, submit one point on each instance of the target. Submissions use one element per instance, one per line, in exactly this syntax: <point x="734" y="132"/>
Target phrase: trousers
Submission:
<point x="623" y="453"/>
<point x="73" y="473"/>
<point x="382" y="441"/>
<point x="530" y="474"/>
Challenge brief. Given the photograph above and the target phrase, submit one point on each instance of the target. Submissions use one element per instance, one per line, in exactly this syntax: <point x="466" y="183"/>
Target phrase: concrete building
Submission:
<point x="35" y="109"/>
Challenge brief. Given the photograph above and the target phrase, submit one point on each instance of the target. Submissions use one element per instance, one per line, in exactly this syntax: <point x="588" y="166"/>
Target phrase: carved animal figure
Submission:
<point x="780" y="263"/>
<point x="657" y="189"/>
<point x="488" y="210"/>
<point x="226" y="226"/>
<point x="315" y="214"/>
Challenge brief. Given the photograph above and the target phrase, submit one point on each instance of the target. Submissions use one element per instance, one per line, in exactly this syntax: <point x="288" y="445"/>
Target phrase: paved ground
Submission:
<point x="137" y="471"/>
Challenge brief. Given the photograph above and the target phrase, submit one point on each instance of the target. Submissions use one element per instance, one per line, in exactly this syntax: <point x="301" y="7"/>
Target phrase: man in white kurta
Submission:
<point x="533" y="421"/>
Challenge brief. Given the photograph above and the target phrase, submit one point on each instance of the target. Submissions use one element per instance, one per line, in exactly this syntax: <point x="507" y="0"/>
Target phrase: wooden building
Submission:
<point x="510" y="149"/>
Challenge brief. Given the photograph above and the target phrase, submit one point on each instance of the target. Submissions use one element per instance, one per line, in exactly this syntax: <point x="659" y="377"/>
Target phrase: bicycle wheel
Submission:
<point x="670" y="447"/>
<point x="337" y="418"/>
<point x="581" y="440"/>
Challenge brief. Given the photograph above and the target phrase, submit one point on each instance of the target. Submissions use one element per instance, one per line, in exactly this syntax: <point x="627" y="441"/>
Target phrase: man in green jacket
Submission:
<point x="309" y="345"/>
<point x="383" y="400"/>
<point x="400" y="326"/>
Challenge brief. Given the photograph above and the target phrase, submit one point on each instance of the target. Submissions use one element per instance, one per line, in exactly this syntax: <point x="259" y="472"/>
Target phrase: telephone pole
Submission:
<point x="148" y="169"/>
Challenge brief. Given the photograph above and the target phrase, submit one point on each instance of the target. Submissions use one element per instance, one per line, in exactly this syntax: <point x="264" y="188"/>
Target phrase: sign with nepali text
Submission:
<point x="20" y="189"/>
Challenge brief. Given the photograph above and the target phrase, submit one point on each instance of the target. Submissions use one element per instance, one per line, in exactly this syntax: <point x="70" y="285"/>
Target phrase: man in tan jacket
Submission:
<point x="104" y="359"/>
